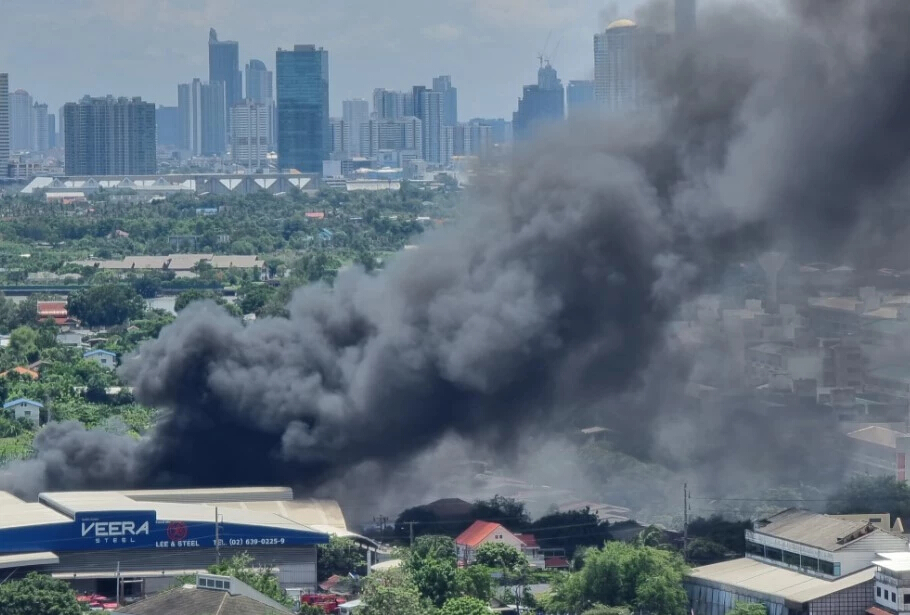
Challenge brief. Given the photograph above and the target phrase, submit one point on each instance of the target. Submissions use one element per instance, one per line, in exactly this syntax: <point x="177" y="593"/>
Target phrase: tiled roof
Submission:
<point x="476" y="534"/>
<point x="22" y="371"/>
<point x="555" y="562"/>
<point x="529" y="540"/>
<point x="195" y="601"/>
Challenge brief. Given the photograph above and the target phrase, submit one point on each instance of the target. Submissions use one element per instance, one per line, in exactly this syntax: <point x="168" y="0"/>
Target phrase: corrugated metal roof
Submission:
<point x="760" y="578"/>
<point x="42" y="558"/>
<point x="813" y="529"/>
<point x="878" y="435"/>
<point x="22" y="514"/>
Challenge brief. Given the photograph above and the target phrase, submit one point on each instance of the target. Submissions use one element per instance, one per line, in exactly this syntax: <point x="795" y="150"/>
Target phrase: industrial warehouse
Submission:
<point x="135" y="543"/>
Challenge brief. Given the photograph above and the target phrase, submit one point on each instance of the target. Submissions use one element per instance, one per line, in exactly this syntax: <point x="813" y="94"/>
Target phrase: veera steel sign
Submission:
<point x="142" y="530"/>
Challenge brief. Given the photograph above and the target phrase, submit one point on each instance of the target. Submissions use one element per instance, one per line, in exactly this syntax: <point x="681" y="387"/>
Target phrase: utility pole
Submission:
<point x="118" y="583"/>
<point x="685" y="521"/>
<point x="411" y="524"/>
<point x="381" y="520"/>
<point x="217" y="539"/>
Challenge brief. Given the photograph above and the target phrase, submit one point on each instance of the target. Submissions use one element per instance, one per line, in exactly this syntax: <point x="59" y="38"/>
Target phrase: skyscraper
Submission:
<point x="685" y="18"/>
<point x="250" y="134"/>
<point x="224" y="67"/>
<point x="356" y="114"/>
<point x="392" y="105"/>
<point x="620" y="56"/>
<point x="579" y="96"/>
<point x="540" y="103"/>
<point x="258" y="83"/>
<point x="168" y="122"/>
<point x="110" y="136"/>
<point x="20" y="119"/>
<point x="51" y="130"/>
<point x="40" y="138"/>
<point x="4" y="122"/>
<point x="202" y="117"/>
<point x="443" y="84"/>
<point x="302" y="78"/>
<point x="431" y="115"/>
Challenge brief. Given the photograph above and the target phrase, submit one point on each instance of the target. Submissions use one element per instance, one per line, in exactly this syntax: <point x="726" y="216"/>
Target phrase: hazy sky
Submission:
<point x="61" y="50"/>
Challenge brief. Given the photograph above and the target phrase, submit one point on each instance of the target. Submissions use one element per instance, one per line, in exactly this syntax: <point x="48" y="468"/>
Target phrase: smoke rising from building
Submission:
<point x="554" y="289"/>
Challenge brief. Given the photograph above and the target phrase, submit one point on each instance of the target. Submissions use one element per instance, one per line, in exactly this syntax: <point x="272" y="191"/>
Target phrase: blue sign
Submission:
<point x="142" y="530"/>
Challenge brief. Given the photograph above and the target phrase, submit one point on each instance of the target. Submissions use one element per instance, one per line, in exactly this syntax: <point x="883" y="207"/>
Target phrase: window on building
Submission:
<point x="826" y="567"/>
<point x="219" y="584"/>
<point x="775" y="554"/>
<point x="754" y="548"/>
<point x="791" y="559"/>
<point x="906" y="598"/>
<point x="809" y="563"/>
<point x="893" y="597"/>
<point x="878" y="592"/>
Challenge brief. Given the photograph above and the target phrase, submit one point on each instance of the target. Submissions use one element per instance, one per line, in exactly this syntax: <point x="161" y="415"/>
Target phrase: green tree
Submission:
<point x="865" y="494"/>
<point x="661" y="595"/>
<point x="254" y="297"/>
<point x="106" y="305"/>
<point x="508" y="511"/>
<point x="499" y="556"/>
<point x="608" y="610"/>
<point x="391" y="592"/>
<point x="340" y="556"/>
<point x="570" y="530"/>
<point x="23" y="341"/>
<point x="262" y="580"/>
<point x="38" y="594"/>
<point x="431" y="565"/>
<point x="748" y="608"/>
<point x="475" y="581"/>
<point x="310" y="609"/>
<point x="464" y="605"/>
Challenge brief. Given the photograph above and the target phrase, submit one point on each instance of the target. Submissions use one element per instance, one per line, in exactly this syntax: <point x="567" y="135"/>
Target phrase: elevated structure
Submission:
<point x="154" y="185"/>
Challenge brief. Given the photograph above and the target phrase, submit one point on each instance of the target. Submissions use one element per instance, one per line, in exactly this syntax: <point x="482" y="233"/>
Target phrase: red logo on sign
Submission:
<point x="176" y="530"/>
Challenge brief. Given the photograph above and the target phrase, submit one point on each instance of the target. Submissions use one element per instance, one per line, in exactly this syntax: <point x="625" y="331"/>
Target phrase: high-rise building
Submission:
<point x="392" y="105"/>
<point x="685" y="18"/>
<point x="20" y="118"/>
<point x="110" y="136"/>
<point x="224" y="67"/>
<point x="201" y="117"/>
<point x="579" y="97"/>
<point x="443" y="84"/>
<point x="541" y="103"/>
<point x="302" y="78"/>
<point x="258" y="83"/>
<point x="404" y="134"/>
<point x="168" y="121"/>
<point x="336" y="137"/>
<point x="473" y="140"/>
<point x="250" y="130"/>
<point x="51" y="130"/>
<point x="431" y="113"/>
<point x="4" y="122"/>
<point x="356" y="114"/>
<point x="620" y="57"/>
<point x="40" y="138"/>
<point x="500" y="129"/>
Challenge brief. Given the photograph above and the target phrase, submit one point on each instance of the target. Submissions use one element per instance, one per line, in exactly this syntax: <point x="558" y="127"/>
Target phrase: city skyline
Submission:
<point x="163" y="45"/>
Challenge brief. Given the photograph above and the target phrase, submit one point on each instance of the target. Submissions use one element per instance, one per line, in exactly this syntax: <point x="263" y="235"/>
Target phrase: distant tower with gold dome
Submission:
<point x="619" y="54"/>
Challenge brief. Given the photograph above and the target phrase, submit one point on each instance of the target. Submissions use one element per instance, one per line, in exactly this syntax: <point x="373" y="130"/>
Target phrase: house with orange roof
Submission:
<point x="53" y="309"/>
<point x="22" y="371"/>
<point x="483" y="532"/>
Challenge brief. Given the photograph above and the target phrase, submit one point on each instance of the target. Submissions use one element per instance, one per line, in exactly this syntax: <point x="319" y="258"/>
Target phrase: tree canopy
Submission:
<point x="748" y="608"/>
<point x="464" y="605"/>
<point x="106" y="305"/>
<point x="340" y="556"/>
<point x="868" y="494"/>
<point x="38" y="594"/>
<point x="263" y="580"/>
<point x="391" y="592"/>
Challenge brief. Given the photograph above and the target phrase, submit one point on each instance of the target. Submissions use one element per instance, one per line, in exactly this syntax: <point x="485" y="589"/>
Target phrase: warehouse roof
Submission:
<point x="814" y="530"/>
<point x="751" y="576"/>
<point x="875" y="434"/>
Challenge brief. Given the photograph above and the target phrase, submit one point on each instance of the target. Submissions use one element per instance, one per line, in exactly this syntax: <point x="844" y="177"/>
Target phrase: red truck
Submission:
<point x="329" y="603"/>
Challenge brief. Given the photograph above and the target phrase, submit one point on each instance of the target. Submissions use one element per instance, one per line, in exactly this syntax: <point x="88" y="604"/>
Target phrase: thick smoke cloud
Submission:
<point x="553" y="290"/>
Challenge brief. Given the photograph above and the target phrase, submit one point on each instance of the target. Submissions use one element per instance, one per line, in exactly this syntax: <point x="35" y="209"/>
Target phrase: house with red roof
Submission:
<point x="482" y="532"/>
<point x="53" y="309"/>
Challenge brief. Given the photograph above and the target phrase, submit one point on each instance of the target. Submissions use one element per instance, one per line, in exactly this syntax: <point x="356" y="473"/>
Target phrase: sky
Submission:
<point x="60" y="51"/>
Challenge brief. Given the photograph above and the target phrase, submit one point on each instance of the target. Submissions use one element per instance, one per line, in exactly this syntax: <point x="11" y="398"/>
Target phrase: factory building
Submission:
<point x="144" y="540"/>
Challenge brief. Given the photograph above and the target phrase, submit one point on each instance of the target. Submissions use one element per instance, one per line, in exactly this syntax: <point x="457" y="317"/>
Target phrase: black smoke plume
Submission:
<point x="553" y="290"/>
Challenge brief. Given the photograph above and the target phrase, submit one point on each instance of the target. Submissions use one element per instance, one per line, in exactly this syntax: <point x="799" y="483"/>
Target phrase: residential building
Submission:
<point x="483" y="532"/>
<point x="356" y="114"/>
<point x="540" y="104"/>
<point x="259" y="82"/>
<point x="4" y="122"/>
<point x="500" y="129"/>
<point x="388" y="105"/>
<point x="878" y="451"/>
<point x="337" y="135"/>
<point x="685" y="14"/>
<point x="24" y="409"/>
<point x="104" y="358"/>
<point x="402" y="134"/>
<point x="224" y="67"/>
<point x="167" y="120"/>
<point x="40" y="137"/>
<point x="621" y="53"/>
<point x="201" y="117"/>
<point x="108" y="136"/>
<point x="20" y="118"/>
<point x="430" y="112"/>
<point x="251" y="124"/>
<point x="892" y="584"/>
<point x="443" y="84"/>
<point x="579" y="97"/>
<point x="302" y="77"/>
<point x="473" y="140"/>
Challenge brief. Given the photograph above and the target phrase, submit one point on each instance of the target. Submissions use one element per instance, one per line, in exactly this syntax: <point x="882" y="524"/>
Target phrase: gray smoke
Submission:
<point x="553" y="290"/>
